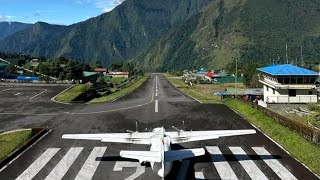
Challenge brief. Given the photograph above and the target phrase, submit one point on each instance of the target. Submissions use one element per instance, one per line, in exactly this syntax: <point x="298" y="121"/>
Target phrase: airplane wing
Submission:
<point x="131" y="138"/>
<point x="189" y="136"/>
<point x="149" y="156"/>
<point x="182" y="154"/>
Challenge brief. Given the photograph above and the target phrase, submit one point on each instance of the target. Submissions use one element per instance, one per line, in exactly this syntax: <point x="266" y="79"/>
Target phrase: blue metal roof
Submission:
<point x="287" y="69"/>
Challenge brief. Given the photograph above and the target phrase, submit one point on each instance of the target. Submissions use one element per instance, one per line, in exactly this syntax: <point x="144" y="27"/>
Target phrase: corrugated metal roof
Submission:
<point x="287" y="69"/>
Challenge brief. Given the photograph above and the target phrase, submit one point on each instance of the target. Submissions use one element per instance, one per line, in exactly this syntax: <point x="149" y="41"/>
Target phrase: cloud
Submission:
<point x="103" y="5"/>
<point x="5" y="17"/>
<point x="36" y="14"/>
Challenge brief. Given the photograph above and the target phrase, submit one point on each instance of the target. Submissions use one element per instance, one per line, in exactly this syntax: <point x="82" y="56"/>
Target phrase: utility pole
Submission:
<point x="287" y="53"/>
<point x="236" y="78"/>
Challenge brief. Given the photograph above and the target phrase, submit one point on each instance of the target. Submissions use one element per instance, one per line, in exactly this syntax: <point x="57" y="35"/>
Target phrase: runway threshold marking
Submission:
<point x="199" y="175"/>
<point x="122" y="164"/>
<point x="90" y="166"/>
<point x="37" y="165"/>
<point x="249" y="166"/>
<point x="156" y="109"/>
<point x="38" y="94"/>
<point x="274" y="164"/>
<point x="65" y="163"/>
<point x="224" y="169"/>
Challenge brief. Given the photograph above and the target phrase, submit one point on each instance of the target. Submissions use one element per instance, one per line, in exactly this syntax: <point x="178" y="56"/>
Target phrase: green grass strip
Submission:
<point x="71" y="94"/>
<point x="121" y="92"/>
<point x="192" y="91"/>
<point x="11" y="141"/>
<point x="300" y="148"/>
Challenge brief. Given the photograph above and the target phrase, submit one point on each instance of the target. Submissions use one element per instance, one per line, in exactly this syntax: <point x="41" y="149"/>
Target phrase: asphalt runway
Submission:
<point x="156" y="103"/>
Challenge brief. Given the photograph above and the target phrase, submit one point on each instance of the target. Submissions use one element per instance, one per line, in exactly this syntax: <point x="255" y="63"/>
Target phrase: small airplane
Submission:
<point x="160" y="155"/>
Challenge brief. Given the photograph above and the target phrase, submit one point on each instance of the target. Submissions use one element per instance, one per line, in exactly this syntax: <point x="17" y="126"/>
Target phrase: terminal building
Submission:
<point x="287" y="83"/>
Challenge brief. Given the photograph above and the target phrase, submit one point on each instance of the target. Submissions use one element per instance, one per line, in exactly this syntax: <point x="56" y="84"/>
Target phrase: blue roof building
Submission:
<point x="287" y="83"/>
<point x="287" y="70"/>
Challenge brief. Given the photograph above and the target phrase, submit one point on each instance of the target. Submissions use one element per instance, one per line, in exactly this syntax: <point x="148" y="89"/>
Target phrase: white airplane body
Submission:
<point x="160" y="155"/>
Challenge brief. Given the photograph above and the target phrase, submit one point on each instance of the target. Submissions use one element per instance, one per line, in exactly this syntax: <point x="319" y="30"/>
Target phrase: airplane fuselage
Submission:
<point x="161" y="143"/>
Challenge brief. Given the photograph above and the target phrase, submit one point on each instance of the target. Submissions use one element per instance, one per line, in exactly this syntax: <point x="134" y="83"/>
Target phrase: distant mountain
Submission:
<point x="9" y="28"/>
<point x="40" y="39"/>
<point x="247" y="30"/>
<point x="115" y="36"/>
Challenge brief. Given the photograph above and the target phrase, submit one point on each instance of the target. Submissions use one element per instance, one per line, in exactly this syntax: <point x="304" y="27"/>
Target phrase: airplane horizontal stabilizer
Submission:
<point x="148" y="156"/>
<point x="183" y="154"/>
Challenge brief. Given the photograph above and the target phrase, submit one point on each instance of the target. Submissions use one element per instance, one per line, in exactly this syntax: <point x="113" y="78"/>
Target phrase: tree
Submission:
<point x="11" y="70"/>
<point x="43" y="68"/>
<point x="101" y="80"/>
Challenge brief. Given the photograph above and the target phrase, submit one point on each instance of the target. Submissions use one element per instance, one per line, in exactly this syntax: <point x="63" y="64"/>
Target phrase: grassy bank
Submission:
<point x="121" y="92"/>
<point x="298" y="147"/>
<point x="71" y="94"/>
<point x="202" y="92"/>
<point x="11" y="141"/>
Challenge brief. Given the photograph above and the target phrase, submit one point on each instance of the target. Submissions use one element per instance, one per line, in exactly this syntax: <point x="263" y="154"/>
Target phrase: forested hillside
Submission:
<point x="9" y="28"/>
<point x="247" y="30"/>
<point x="111" y="37"/>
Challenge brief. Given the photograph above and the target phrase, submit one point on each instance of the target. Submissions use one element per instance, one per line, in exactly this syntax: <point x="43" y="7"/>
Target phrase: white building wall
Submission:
<point x="282" y="96"/>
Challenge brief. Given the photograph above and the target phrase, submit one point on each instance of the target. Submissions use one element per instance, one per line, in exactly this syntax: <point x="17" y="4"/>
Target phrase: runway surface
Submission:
<point x="156" y="103"/>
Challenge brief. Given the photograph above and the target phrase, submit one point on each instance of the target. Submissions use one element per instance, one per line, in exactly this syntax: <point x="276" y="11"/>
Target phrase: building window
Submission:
<point x="310" y="93"/>
<point x="292" y="92"/>
<point x="274" y="92"/>
<point x="267" y="88"/>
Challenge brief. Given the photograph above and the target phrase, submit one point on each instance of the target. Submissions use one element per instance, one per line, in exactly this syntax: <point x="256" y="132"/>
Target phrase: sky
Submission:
<point x="64" y="12"/>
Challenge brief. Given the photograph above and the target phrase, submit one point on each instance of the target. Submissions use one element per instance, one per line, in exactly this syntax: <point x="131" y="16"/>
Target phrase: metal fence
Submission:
<point x="289" y="99"/>
<point x="310" y="133"/>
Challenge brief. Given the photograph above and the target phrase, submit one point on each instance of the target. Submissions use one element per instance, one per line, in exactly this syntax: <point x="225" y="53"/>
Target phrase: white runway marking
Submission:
<point x="156" y="94"/>
<point x="122" y="164"/>
<point x="90" y="166"/>
<point x="156" y="106"/>
<point x="224" y="169"/>
<point x="65" y="163"/>
<point x="249" y="166"/>
<point x="17" y="94"/>
<point x="37" y="165"/>
<point x="38" y="94"/>
<point x="199" y="175"/>
<point x="4" y="90"/>
<point x="274" y="164"/>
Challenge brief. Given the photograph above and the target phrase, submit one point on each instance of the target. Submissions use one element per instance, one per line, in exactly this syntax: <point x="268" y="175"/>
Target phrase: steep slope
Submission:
<point x="110" y="37"/>
<point x="40" y="39"/>
<point x="247" y="30"/>
<point x="9" y="28"/>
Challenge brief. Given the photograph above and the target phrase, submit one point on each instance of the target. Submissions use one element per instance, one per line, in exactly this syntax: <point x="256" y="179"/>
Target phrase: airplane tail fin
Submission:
<point x="182" y="154"/>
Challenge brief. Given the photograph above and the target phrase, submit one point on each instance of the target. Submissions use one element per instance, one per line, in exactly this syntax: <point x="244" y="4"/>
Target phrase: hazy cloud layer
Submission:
<point x="104" y="5"/>
<point x="5" y="18"/>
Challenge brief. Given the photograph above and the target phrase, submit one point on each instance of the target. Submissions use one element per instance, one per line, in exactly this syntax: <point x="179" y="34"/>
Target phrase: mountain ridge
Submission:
<point x="111" y="37"/>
